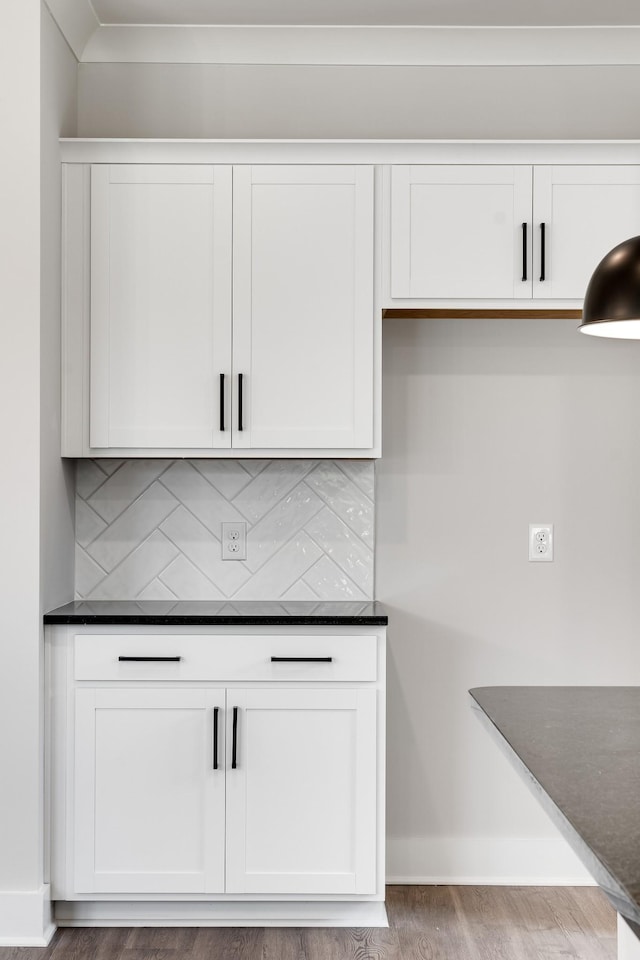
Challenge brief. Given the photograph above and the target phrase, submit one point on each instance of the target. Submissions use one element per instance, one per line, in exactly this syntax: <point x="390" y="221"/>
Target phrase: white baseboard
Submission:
<point x="126" y="913"/>
<point x="484" y="861"/>
<point x="26" y="918"/>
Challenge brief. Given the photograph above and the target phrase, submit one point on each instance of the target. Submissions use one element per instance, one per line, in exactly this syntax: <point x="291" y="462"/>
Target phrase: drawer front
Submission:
<point x="224" y="658"/>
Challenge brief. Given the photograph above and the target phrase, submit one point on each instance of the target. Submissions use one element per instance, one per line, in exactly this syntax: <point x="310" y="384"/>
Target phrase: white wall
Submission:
<point x="26" y="588"/>
<point x="180" y="100"/>
<point x="488" y="425"/>
<point x="58" y="116"/>
<point x="20" y="429"/>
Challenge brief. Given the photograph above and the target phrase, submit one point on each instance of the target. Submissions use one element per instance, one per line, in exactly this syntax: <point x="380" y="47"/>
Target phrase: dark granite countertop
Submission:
<point x="338" y="613"/>
<point x="578" y="748"/>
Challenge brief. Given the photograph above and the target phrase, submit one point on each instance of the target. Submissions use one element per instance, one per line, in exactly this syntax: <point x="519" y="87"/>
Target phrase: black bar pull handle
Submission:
<point x="215" y="737"/>
<point x="524" y="252"/>
<point x="240" y="379"/>
<point x="149" y="659"/>
<point x="222" y="402"/>
<point x="301" y="659"/>
<point x="234" y="742"/>
<point x="543" y="257"/>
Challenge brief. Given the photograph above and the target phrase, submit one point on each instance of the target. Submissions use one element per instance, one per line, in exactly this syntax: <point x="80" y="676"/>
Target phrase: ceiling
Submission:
<point x="370" y="12"/>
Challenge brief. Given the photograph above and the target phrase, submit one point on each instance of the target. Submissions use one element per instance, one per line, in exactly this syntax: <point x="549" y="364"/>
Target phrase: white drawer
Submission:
<point x="224" y="658"/>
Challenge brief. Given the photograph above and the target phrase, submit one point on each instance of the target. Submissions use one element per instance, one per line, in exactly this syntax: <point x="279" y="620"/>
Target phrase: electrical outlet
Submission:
<point x="541" y="541"/>
<point x="234" y="541"/>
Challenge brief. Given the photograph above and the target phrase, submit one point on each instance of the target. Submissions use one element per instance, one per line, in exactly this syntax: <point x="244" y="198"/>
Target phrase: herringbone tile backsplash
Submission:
<point x="150" y="529"/>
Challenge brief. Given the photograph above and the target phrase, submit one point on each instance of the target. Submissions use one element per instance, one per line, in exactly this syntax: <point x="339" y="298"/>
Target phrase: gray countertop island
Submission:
<point x="579" y="750"/>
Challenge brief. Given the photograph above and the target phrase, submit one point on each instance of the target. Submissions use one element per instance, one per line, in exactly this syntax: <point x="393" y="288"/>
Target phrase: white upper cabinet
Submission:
<point x="214" y="308"/>
<point x="481" y="234"/>
<point x="234" y="307"/>
<point x="160" y="304"/>
<point x="584" y="211"/>
<point x="456" y="232"/>
<point x="303" y="306"/>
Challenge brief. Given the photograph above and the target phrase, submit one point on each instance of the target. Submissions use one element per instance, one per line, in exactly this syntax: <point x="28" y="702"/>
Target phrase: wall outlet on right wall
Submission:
<point x="541" y="542"/>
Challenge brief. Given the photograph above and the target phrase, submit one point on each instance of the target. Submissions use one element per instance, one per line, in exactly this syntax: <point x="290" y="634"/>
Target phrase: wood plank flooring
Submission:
<point x="426" y="923"/>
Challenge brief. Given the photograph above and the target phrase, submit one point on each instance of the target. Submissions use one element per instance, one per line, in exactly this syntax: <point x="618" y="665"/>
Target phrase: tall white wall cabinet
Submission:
<point x="237" y="772"/>
<point x="214" y="309"/>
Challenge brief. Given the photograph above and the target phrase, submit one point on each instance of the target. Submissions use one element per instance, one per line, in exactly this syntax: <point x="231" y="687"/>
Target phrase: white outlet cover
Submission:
<point x="234" y="540"/>
<point x="541" y="542"/>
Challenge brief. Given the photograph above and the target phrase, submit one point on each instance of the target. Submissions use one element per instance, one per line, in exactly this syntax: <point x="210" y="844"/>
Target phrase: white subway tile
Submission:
<point x="270" y="486"/>
<point x="345" y="548"/>
<point x="329" y="582"/>
<point x="123" y="486"/>
<point x="137" y="571"/>
<point x="283" y="521"/>
<point x="187" y="582"/>
<point x="280" y="572"/>
<point x="132" y="526"/>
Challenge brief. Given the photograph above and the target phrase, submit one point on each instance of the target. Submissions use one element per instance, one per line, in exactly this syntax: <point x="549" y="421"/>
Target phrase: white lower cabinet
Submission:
<point x="149" y="803"/>
<point x="301" y="803"/>
<point x="205" y="789"/>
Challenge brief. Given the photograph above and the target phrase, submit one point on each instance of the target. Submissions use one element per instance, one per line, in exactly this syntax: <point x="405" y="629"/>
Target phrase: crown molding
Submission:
<point x="338" y="45"/>
<point x="77" y="21"/>
<point x="93" y="42"/>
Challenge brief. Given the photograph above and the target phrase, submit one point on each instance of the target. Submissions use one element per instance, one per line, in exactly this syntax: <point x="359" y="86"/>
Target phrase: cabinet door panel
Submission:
<point x="301" y="804"/>
<point x="456" y="232"/>
<point x="303" y="305"/>
<point x="149" y="807"/>
<point x="586" y="210"/>
<point x="160" y="304"/>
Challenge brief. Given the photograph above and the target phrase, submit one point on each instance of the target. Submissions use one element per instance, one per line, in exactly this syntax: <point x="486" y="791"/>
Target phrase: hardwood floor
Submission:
<point x="426" y="923"/>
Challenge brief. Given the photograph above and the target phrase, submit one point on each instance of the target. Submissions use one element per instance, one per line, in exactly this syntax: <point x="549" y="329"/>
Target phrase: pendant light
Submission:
<point x="612" y="301"/>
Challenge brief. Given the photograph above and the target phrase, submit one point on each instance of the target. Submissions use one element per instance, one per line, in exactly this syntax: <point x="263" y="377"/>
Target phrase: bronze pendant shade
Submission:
<point x="612" y="301"/>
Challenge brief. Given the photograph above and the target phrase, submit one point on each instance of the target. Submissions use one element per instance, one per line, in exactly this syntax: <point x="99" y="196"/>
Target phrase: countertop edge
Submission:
<point x="212" y="621"/>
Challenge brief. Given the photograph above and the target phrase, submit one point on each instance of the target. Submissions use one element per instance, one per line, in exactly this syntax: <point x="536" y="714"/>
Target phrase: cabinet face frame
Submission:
<point x="61" y="694"/>
<point x="76" y="353"/>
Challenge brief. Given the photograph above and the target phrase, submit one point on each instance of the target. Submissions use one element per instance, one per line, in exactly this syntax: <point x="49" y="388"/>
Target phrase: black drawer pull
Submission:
<point x="301" y="659"/>
<point x="149" y="659"/>
<point x="524" y="252"/>
<point x="543" y="255"/>
<point x="234" y="744"/>
<point x="222" y="402"/>
<point x="215" y="738"/>
<point x="240" y="401"/>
